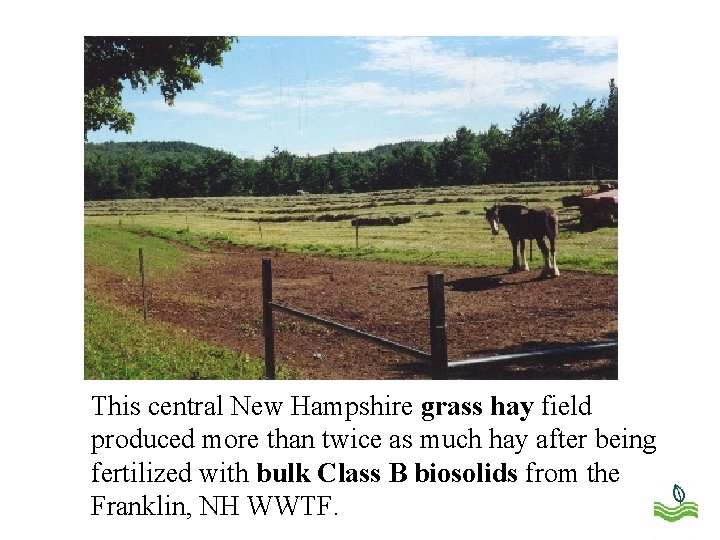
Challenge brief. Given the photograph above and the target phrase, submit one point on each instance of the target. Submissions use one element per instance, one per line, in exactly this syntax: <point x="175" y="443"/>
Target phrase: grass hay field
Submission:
<point x="203" y="264"/>
<point x="444" y="225"/>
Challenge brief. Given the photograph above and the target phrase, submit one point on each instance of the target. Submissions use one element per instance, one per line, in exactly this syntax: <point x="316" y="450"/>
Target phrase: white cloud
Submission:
<point x="497" y="75"/>
<point x="431" y="79"/>
<point x="419" y="56"/>
<point x="200" y="107"/>
<point x="369" y="94"/>
<point x="557" y="74"/>
<point x="264" y="98"/>
<point x="588" y="45"/>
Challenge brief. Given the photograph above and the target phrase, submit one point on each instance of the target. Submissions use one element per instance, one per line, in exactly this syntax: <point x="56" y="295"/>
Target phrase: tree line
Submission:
<point x="543" y="144"/>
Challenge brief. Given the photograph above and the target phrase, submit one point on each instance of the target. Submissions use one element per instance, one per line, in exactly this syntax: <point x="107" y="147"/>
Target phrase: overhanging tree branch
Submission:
<point x="172" y="62"/>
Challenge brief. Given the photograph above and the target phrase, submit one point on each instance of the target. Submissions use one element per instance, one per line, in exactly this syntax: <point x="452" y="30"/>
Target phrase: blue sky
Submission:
<point x="310" y="95"/>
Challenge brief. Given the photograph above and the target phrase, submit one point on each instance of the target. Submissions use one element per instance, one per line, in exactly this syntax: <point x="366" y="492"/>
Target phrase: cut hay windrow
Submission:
<point x="382" y="221"/>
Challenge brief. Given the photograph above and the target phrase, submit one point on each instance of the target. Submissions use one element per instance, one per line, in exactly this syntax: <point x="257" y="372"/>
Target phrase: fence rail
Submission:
<point x="437" y="358"/>
<point x="388" y="344"/>
<point x="603" y="346"/>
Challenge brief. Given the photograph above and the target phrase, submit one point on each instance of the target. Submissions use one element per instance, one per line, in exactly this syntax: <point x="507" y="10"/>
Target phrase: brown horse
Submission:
<point x="523" y="223"/>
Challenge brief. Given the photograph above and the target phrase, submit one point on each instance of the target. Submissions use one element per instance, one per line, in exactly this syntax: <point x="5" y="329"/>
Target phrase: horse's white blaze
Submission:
<point x="495" y="225"/>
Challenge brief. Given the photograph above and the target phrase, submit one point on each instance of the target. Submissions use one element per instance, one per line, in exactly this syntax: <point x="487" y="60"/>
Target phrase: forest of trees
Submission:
<point x="543" y="144"/>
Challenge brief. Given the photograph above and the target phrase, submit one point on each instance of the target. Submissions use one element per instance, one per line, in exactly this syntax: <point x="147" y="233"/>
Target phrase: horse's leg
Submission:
<point x="516" y="263"/>
<point x="523" y="261"/>
<point x="552" y="235"/>
<point x="553" y="263"/>
<point x="545" y="272"/>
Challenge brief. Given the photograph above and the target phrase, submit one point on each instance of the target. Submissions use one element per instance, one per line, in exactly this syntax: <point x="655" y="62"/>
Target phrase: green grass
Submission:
<point x="456" y="234"/>
<point x="116" y="249"/>
<point x="119" y="345"/>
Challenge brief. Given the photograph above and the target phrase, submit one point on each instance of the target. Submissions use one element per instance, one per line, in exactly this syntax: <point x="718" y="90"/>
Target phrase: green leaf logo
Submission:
<point x="682" y="510"/>
<point x="678" y="493"/>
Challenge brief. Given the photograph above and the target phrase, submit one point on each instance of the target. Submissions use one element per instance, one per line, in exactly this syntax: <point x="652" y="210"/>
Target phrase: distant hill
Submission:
<point x="148" y="149"/>
<point x="127" y="170"/>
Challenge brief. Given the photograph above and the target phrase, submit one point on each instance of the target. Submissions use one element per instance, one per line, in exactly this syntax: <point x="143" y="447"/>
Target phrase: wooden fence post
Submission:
<point x="142" y="283"/>
<point x="357" y="233"/>
<point x="438" y="332"/>
<point x="268" y="327"/>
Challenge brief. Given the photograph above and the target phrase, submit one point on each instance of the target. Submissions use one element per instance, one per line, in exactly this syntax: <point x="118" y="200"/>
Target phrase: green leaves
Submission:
<point x="103" y="107"/>
<point x="174" y="62"/>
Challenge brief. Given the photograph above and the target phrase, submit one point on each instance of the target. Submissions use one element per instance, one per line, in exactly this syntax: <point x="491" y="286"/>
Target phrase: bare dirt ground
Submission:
<point x="488" y="312"/>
